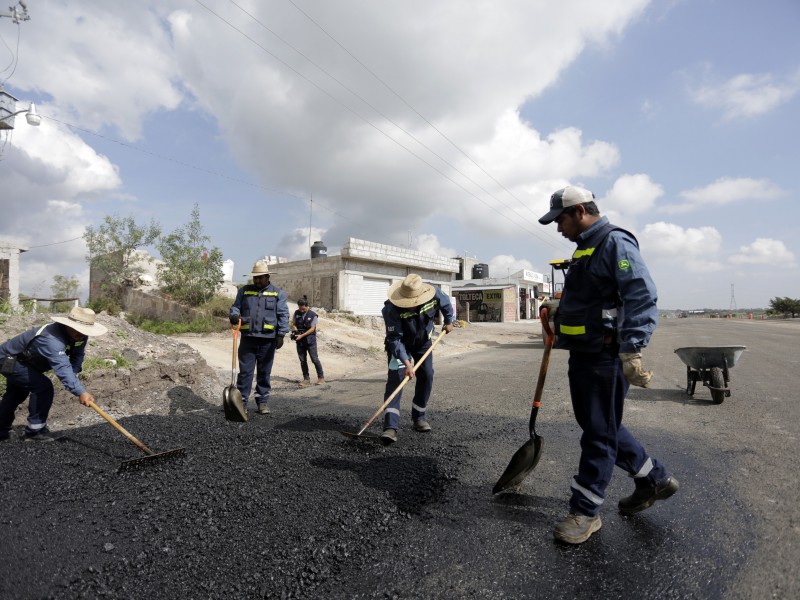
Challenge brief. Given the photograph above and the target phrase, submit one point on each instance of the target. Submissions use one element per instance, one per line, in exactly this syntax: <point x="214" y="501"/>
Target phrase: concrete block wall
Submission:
<point x="383" y="253"/>
<point x="11" y="254"/>
<point x="144" y="303"/>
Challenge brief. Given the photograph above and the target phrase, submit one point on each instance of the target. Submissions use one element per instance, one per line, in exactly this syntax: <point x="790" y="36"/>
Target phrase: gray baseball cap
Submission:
<point x="564" y="198"/>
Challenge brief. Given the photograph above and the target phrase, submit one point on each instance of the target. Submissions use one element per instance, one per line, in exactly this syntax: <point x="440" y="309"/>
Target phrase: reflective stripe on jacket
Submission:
<point x="264" y="312"/>
<point x="608" y="291"/>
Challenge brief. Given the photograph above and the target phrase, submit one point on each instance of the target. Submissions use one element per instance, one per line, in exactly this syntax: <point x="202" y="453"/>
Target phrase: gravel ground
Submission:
<point x="285" y="507"/>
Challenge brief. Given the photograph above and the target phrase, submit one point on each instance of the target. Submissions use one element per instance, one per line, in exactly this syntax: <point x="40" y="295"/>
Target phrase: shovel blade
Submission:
<point x="522" y="463"/>
<point x="137" y="463"/>
<point x="233" y="404"/>
<point x="367" y="437"/>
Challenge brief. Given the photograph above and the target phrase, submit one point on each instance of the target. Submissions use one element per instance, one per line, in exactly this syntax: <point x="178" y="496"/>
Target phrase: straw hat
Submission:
<point x="81" y="320"/>
<point x="261" y="267"/>
<point x="410" y="292"/>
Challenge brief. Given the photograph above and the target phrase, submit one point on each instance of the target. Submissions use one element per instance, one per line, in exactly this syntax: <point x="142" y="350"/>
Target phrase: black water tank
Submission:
<point x="318" y="249"/>
<point x="480" y="271"/>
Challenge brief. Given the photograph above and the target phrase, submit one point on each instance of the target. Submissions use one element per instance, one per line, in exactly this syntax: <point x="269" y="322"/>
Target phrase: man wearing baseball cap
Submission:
<point x="605" y="319"/>
<point x="59" y="346"/>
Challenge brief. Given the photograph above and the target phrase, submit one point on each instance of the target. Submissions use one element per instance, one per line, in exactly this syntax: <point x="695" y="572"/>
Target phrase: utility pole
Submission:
<point x="17" y="15"/>
<point x="733" y="301"/>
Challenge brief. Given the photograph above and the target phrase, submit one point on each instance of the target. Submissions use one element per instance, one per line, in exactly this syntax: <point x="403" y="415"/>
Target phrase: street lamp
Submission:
<point x="31" y="116"/>
<point x="8" y="104"/>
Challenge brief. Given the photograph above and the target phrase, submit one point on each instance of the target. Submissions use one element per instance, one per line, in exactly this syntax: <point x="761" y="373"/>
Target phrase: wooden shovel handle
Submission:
<point x="235" y="335"/>
<point x="548" y="345"/>
<point x="406" y="379"/>
<point x="120" y="428"/>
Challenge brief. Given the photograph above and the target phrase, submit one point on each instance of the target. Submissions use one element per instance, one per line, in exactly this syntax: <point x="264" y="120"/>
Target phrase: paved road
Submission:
<point x="284" y="506"/>
<point x="732" y="532"/>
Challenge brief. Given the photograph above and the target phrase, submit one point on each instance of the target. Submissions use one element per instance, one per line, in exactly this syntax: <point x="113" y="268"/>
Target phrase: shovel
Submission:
<point x="134" y="463"/>
<point x="406" y="379"/>
<point x="527" y="457"/>
<point x="232" y="401"/>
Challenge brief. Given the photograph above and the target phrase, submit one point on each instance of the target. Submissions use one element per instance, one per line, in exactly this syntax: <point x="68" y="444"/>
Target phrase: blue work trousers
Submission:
<point x="255" y="355"/>
<point x="598" y="388"/>
<point x="23" y="381"/>
<point x="422" y="390"/>
<point x="307" y="348"/>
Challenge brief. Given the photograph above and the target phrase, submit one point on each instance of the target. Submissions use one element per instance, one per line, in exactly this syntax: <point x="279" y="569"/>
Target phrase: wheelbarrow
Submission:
<point x="711" y="365"/>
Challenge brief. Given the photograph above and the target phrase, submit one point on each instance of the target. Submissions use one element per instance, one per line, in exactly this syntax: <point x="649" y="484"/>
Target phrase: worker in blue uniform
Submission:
<point x="304" y="332"/>
<point x="60" y="346"/>
<point x="409" y="316"/>
<point x="605" y="318"/>
<point x="261" y="307"/>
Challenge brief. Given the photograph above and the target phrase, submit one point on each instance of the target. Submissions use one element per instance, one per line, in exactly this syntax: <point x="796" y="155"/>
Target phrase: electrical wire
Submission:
<point x="15" y="57"/>
<point x="408" y="104"/>
<point x="364" y="227"/>
<point x="534" y="233"/>
<point x="80" y="237"/>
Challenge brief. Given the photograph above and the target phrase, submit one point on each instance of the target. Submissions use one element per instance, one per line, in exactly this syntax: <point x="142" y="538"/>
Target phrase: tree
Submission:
<point x="784" y="306"/>
<point x="191" y="271"/>
<point x="111" y="250"/>
<point x="64" y="287"/>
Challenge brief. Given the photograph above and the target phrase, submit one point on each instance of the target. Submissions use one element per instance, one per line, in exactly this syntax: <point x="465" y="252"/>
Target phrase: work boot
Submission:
<point x="421" y="425"/>
<point x="320" y="381"/>
<point x="43" y="435"/>
<point x="646" y="493"/>
<point x="576" y="529"/>
<point x="389" y="437"/>
<point x="305" y="383"/>
<point x="263" y="409"/>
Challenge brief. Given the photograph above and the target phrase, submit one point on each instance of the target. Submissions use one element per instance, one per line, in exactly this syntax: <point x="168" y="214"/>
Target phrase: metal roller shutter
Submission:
<point x="373" y="296"/>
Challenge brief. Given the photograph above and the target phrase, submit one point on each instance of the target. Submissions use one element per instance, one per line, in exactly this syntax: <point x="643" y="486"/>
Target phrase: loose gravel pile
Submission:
<point x="251" y="510"/>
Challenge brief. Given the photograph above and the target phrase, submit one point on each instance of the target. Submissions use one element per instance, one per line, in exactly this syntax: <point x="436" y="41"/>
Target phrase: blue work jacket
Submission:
<point x="49" y="347"/>
<point x="608" y="291"/>
<point x="409" y="329"/>
<point x="264" y="312"/>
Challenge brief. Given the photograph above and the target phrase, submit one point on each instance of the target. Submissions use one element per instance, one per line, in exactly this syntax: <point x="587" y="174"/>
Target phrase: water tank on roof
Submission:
<point x="480" y="271"/>
<point x="319" y="250"/>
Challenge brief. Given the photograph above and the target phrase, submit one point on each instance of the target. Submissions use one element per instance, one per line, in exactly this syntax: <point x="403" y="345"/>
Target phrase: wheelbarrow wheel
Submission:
<point x="717" y="381"/>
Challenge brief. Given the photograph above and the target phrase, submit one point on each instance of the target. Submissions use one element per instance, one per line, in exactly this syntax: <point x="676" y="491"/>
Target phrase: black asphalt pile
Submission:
<point x="267" y="508"/>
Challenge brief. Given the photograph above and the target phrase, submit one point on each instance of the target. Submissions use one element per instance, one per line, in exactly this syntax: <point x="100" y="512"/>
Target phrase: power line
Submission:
<point x="535" y="233"/>
<point x="408" y="104"/>
<point x="202" y="170"/>
<point x="55" y="243"/>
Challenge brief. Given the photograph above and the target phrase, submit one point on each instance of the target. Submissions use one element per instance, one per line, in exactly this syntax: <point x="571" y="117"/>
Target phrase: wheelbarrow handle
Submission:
<point x="120" y="428"/>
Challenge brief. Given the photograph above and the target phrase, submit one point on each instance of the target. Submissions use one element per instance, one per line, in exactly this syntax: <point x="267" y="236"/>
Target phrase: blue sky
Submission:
<point x="444" y="126"/>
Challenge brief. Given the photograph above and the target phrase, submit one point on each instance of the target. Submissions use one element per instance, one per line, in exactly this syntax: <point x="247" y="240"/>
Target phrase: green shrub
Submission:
<point x="97" y="363"/>
<point x="199" y="325"/>
<point x="110" y="305"/>
<point x="218" y="306"/>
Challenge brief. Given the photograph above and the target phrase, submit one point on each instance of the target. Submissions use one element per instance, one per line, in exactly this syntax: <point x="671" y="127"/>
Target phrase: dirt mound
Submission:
<point x="160" y="373"/>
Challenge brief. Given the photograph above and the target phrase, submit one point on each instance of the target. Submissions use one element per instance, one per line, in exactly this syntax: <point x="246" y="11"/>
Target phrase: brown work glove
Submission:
<point x="552" y="308"/>
<point x="632" y="368"/>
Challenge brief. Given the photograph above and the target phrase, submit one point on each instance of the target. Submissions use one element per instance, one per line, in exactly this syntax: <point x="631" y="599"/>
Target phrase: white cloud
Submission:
<point x="748" y="95"/>
<point x="764" y="251"/>
<point x="295" y="244"/>
<point x="725" y="190"/>
<point x="504" y="264"/>
<point x="428" y="242"/>
<point x="688" y="249"/>
<point x="632" y="195"/>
